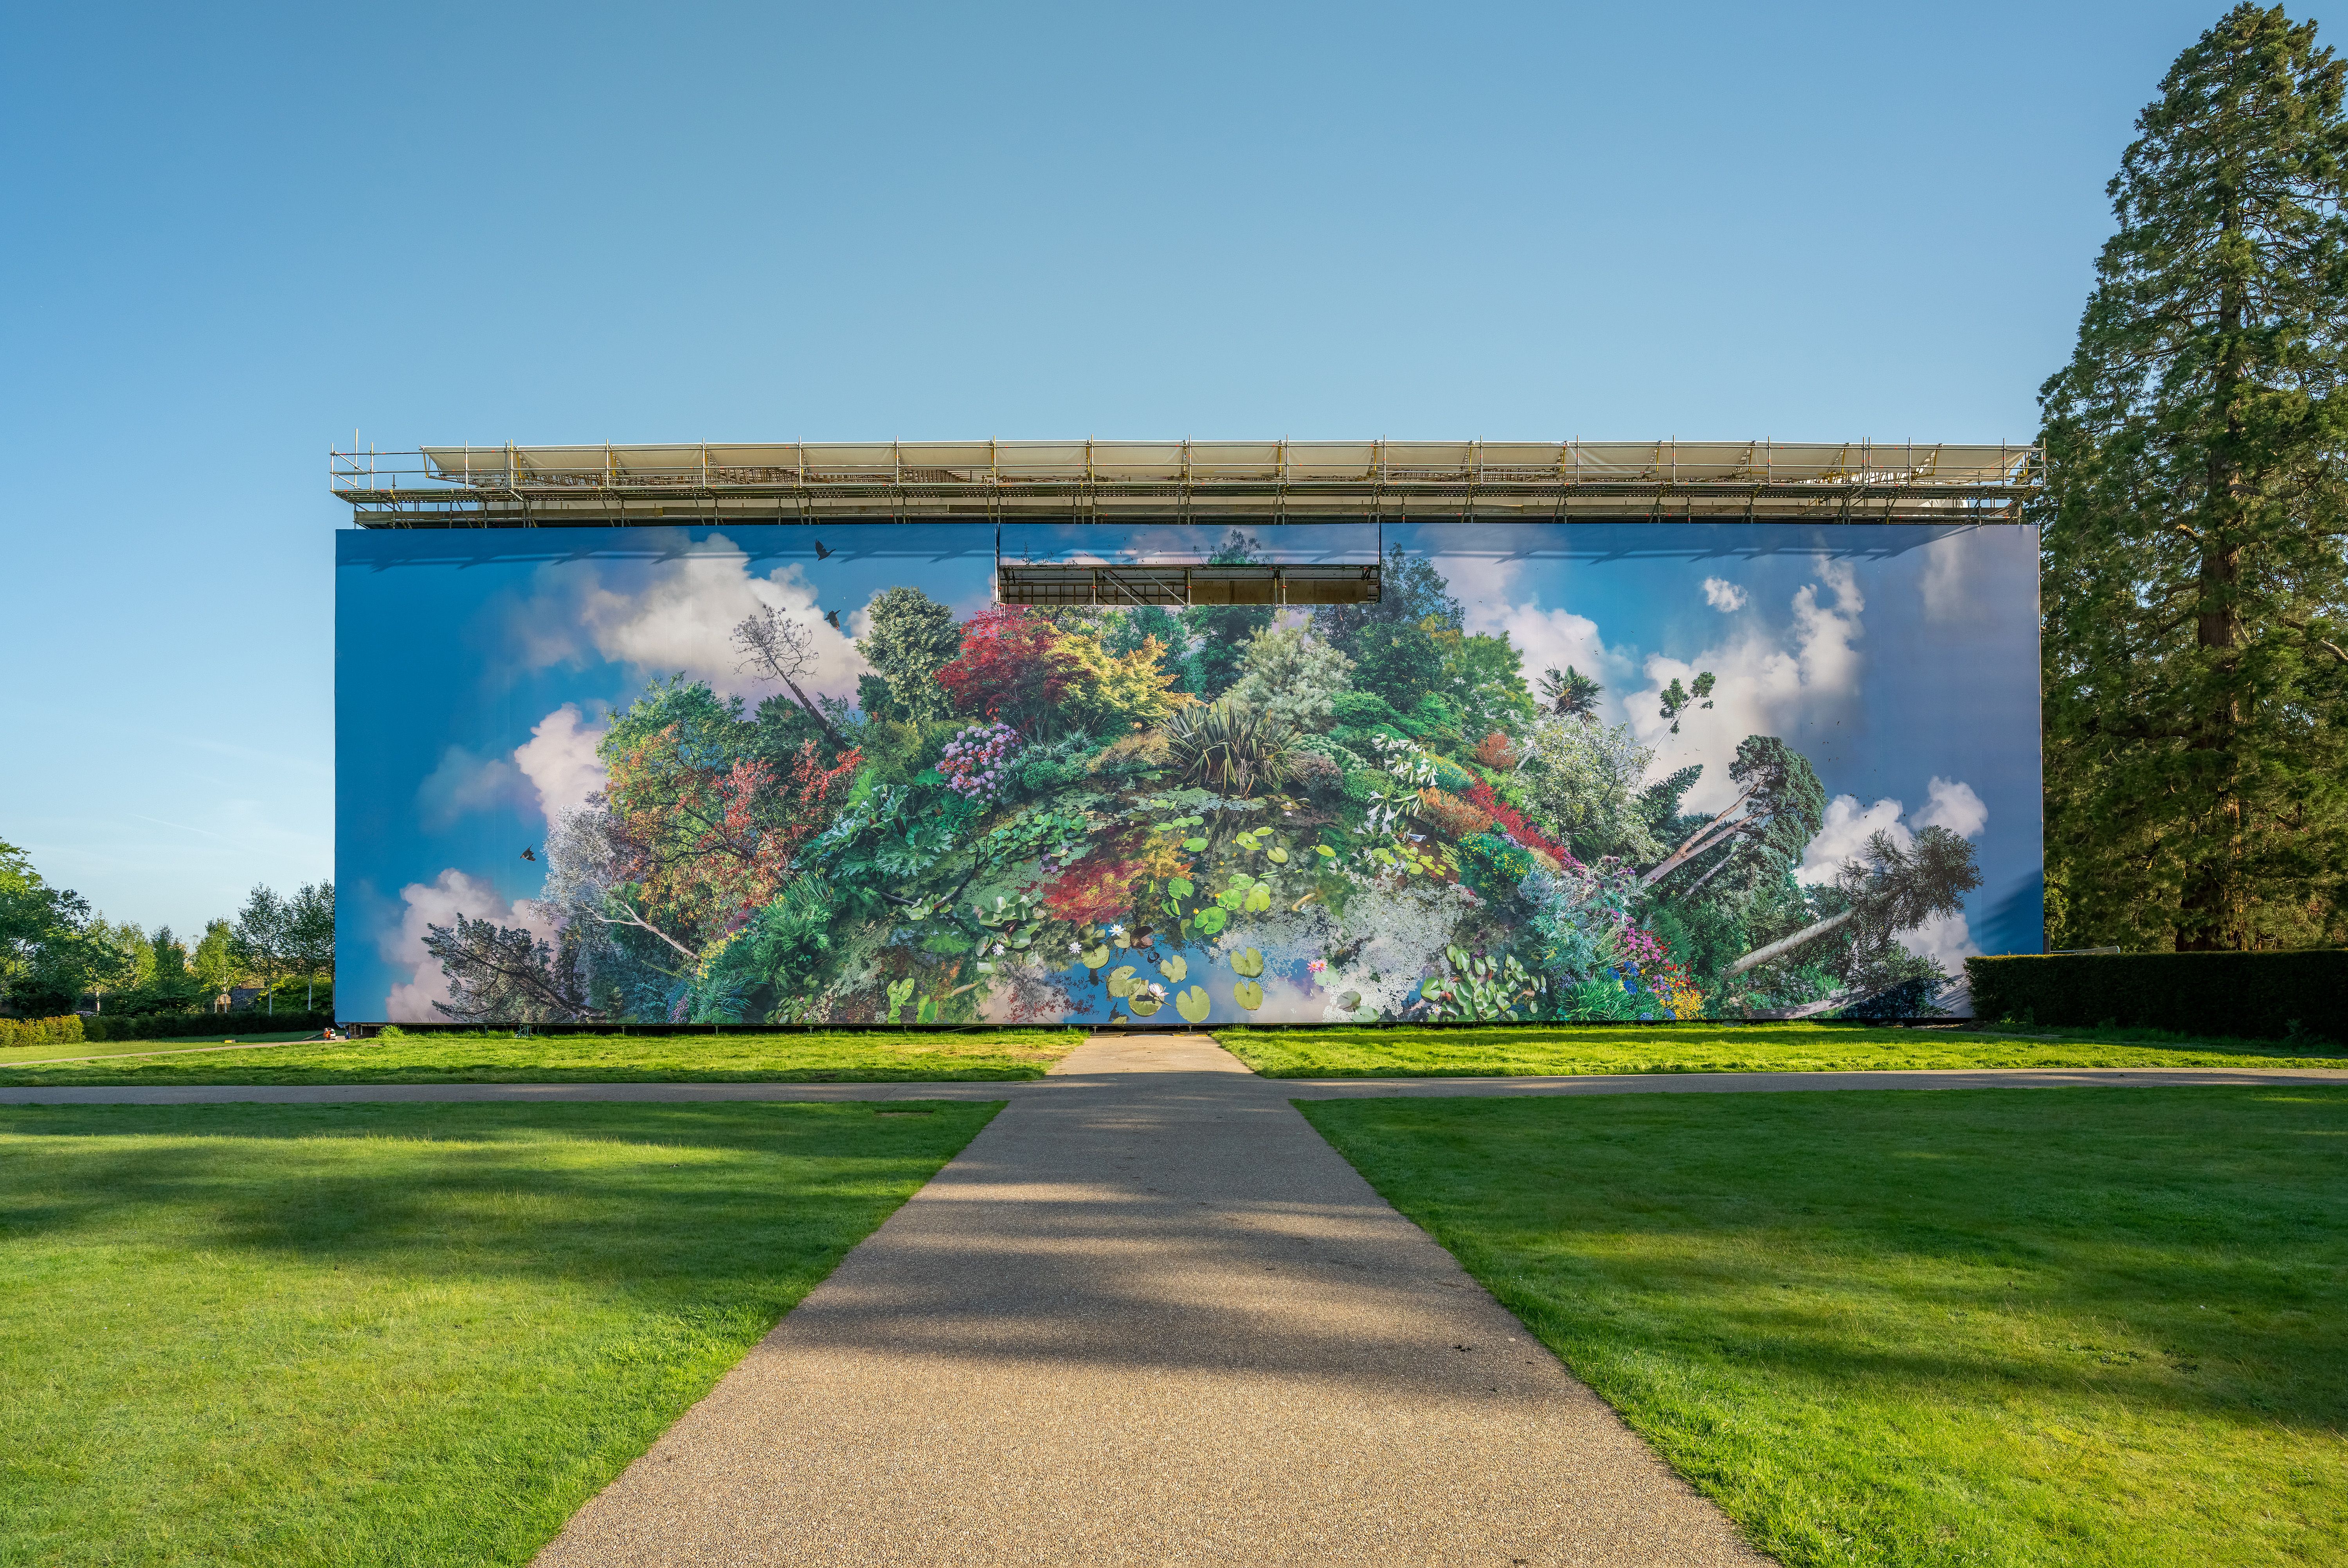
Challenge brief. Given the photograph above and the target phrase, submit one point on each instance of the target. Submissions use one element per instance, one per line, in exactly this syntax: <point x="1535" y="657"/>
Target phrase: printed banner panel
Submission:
<point x="793" y="774"/>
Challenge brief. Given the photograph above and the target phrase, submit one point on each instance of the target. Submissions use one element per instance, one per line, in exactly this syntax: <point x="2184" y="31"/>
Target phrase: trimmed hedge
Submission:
<point x="179" y="1026"/>
<point x="2254" y="995"/>
<point x="65" y="1031"/>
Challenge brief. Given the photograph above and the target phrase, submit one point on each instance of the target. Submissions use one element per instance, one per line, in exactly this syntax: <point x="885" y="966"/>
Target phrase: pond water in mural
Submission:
<point x="782" y="775"/>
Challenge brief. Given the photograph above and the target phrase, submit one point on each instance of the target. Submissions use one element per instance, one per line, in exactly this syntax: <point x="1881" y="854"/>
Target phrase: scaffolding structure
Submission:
<point x="1183" y="481"/>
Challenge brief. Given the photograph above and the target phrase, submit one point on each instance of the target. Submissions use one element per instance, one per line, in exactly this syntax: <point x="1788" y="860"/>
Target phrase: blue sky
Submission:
<point x="237" y="234"/>
<point x="1902" y="662"/>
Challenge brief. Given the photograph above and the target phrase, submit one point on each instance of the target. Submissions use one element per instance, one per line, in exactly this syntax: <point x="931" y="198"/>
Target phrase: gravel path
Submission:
<point x="1148" y="1316"/>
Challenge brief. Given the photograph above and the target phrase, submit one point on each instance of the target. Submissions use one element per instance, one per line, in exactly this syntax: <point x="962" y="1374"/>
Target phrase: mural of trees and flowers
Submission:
<point x="1364" y="813"/>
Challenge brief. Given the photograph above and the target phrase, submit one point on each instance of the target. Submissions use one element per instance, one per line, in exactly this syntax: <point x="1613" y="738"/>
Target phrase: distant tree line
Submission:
<point x="56" y="955"/>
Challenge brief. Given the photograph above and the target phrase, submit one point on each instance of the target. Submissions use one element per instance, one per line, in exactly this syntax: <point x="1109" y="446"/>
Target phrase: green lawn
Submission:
<point x="2091" y="1326"/>
<point x="1504" y="1051"/>
<point x="571" y="1059"/>
<point x="16" y="1054"/>
<point x="393" y="1334"/>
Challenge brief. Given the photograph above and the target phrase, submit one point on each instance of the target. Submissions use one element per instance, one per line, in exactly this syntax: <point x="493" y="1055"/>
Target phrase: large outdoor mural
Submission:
<point x="793" y="774"/>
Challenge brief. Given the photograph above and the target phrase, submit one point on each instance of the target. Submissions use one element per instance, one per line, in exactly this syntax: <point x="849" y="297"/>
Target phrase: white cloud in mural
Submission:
<point x="463" y="783"/>
<point x="1547" y="639"/>
<point x="1946" y="939"/>
<point x="439" y="903"/>
<point x="679" y="614"/>
<point x="1722" y="595"/>
<point x="1766" y="683"/>
<point x="1953" y="805"/>
<point x="1844" y="833"/>
<point x="559" y="760"/>
<point x="1946" y="581"/>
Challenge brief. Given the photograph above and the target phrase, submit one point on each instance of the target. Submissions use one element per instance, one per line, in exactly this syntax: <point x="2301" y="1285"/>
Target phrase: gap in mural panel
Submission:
<point x="813" y="774"/>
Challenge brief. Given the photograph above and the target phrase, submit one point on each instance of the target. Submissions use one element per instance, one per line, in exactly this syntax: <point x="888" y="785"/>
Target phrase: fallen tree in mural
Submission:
<point x="1199" y="816"/>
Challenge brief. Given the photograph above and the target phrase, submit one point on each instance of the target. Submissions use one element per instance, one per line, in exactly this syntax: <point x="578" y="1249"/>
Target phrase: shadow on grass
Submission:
<point x="615" y="1194"/>
<point x="2178" y="1249"/>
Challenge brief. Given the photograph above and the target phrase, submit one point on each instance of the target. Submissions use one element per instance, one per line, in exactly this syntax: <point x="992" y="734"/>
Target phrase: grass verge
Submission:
<point x="1503" y="1051"/>
<point x="388" y="1334"/>
<point x="11" y="1055"/>
<point x="2095" y="1326"/>
<point x="855" y="1058"/>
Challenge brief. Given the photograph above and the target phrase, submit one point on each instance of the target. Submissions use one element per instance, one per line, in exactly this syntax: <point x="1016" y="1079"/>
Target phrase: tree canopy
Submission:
<point x="2196" y="602"/>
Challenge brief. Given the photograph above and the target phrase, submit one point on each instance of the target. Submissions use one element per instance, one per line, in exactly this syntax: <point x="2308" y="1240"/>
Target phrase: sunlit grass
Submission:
<point x="393" y="1334"/>
<point x="845" y="1057"/>
<point x="2094" y="1326"/>
<point x="22" y="1053"/>
<point x="1509" y="1050"/>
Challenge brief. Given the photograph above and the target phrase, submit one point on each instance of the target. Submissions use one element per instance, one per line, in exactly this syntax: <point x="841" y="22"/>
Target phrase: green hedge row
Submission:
<point x="2256" y="995"/>
<point x="179" y="1026"/>
<point x="65" y="1031"/>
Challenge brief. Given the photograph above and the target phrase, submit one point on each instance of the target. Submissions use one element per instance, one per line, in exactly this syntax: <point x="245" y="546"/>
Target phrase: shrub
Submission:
<point x="1450" y="816"/>
<point x="1230" y="749"/>
<point x="1140" y="752"/>
<point x="2260" y="995"/>
<point x="1313" y="772"/>
<point x="64" y="1031"/>
<point x="1497" y="751"/>
<point x="1487" y="800"/>
<point x="1451" y="776"/>
<point x="1493" y="866"/>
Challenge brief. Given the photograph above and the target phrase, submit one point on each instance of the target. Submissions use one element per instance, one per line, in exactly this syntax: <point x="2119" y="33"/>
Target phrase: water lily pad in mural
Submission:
<point x="1180" y="886"/>
<point x="1120" y="981"/>
<point x="1259" y="897"/>
<point x="1249" y="995"/>
<point x="1095" y="957"/>
<point x="1192" y="1004"/>
<point x="1143" y="1004"/>
<point x="1175" y="967"/>
<point x="1279" y="856"/>
<point x="1213" y="918"/>
<point x="1248" y="962"/>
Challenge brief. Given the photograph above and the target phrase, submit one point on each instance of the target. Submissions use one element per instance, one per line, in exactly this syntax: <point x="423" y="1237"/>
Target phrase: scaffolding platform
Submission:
<point x="1185" y="481"/>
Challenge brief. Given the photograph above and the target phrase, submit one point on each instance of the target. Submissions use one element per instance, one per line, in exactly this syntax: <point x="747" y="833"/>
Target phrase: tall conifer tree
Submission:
<point x="2198" y="453"/>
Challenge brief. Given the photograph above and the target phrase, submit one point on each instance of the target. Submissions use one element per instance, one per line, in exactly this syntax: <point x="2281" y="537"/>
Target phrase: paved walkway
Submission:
<point x="1148" y="1316"/>
<point x="1078" y="1074"/>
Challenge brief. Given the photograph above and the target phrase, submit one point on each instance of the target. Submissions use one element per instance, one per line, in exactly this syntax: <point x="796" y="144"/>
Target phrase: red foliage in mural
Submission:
<point x="1010" y="667"/>
<point x="1093" y="892"/>
<point x="709" y="840"/>
<point x="1513" y="823"/>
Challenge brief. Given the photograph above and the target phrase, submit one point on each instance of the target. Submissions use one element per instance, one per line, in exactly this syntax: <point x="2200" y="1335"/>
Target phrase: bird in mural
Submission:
<point x="821" y="553"/>
<point x="832" y="616"/>
<point x="531" y="854"/>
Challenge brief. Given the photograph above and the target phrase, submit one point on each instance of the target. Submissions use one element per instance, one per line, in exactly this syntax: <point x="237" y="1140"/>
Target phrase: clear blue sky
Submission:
<point x="235" y="235"/>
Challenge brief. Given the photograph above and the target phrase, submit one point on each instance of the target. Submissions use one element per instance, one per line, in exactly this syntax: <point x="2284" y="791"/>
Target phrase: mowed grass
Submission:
<point x="2093" y="1327"/>
<point x="394" y="1334"/>
<point x="15" y="1053"/>
<point x="845" y="1057"/>
<point x="1506" y="1051"/>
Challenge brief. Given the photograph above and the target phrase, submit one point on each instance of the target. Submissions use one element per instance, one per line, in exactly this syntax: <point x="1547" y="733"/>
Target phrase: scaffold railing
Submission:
<point x="1845" y="482"/>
